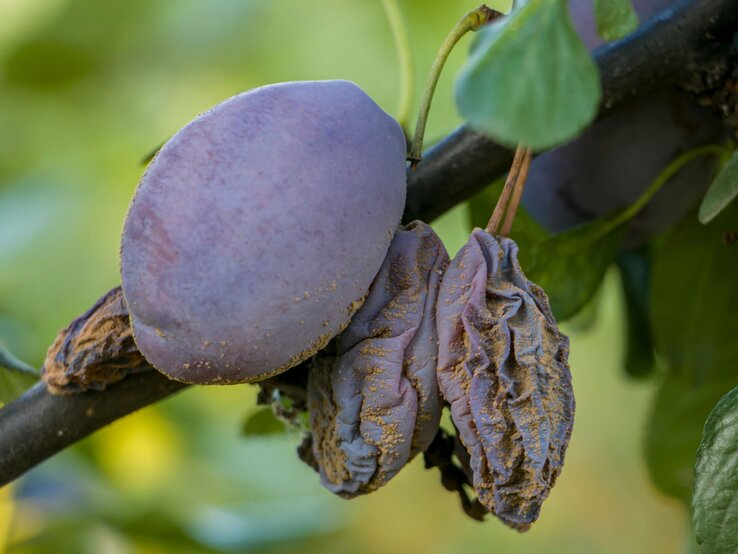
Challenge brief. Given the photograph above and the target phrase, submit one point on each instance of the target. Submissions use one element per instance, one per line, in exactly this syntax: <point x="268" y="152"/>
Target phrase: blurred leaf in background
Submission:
<point x="615" y="18"/>
<point x="694" y="321"/>
<point x="263" y="422"/>
<point x="722" y="191"/>
<point x="15" y="376"/>
<point x="634" y="265"/>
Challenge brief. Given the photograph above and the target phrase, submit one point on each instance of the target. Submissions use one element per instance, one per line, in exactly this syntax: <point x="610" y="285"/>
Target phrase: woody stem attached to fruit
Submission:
<point x="512" y="192"/>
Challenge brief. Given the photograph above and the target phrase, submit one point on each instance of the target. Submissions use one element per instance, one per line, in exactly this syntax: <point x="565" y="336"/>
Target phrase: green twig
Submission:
<point x="470" y="22"/>
<point x="11" y="362"/>
<point x="404" y="62"/>
<point x="669" y="171"/>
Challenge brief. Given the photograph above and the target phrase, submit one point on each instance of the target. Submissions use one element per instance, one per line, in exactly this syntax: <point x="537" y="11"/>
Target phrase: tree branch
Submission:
<point x="679" y="42"/>
<point x="38" y="424"/>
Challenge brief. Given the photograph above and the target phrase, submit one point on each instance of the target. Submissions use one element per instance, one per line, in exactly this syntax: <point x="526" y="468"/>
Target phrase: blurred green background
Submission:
<point x="87" y="88"/>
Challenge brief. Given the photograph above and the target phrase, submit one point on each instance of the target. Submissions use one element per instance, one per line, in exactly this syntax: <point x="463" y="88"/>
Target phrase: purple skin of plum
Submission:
<point x="613" y="162"/>
<point x="502" y="366"/>
<point x="374" y="401"/>
<point x="256" y="232"/>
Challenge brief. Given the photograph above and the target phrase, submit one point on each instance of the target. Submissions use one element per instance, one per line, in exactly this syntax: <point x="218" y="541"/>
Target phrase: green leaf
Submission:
<point x="693" y="318"/>
<point x="587" y="317"/>
<point x="151" y="154"/>
<point x="570" y="266"/>
<point x="674" y="429"/>
<point x="49" y="63"/>
<point x="716" y="480"/>
<point x="615" y="18"/>
<point x="722" y="191"/>
<point x="635" y="276"/>
<point x="15" y="377"/>
<point x="263" y="422"/>
<point x="694" y="299"/>
<point x="529" y="79"/>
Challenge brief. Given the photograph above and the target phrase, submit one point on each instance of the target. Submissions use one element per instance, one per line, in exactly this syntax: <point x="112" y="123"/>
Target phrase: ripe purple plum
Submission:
<point x="257" y="230"/>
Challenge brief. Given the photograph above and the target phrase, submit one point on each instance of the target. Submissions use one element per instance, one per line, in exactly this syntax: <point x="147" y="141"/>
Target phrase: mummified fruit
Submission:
<point x="257" y="230"/>
<point x="373" y="394"/>
<point x="95" y="350"/>
<point x="503" y="368"/>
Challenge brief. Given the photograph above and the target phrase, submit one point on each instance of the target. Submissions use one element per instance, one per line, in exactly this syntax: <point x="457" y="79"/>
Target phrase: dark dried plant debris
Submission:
<point x="373" y="394"/>
<point x="503" y="369"/>
<point x="95" y="350"/>
<point x="454" y="477"/>
<point x="291" y="384"/>
<point x="715" y="85"/>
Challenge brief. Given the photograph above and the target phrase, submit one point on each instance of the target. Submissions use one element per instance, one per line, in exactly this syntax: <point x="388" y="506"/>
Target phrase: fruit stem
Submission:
<point x="470" y="22"/>
<point x="404" y="62"/>
<point x="513" y="188"/>
<point x="512" y="208"/>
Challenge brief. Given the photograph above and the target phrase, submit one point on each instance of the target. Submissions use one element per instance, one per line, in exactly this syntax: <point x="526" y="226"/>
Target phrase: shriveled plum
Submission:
<point x="373" y="395"/>
<point x="502" y="366"/>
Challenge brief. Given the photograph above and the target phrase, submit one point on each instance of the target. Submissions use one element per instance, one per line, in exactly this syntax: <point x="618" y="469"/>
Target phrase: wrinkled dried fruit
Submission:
<point x="373" y="394"/>
<point x="95" y="350"/>
<point x="503" y="368"/>
<point x="256" y="231"/>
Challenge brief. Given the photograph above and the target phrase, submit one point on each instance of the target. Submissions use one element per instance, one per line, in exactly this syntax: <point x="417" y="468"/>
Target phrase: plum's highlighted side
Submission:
<point x="256" y="231"/>
<point x="502" y="365"/>
<point x="373" y="397"/>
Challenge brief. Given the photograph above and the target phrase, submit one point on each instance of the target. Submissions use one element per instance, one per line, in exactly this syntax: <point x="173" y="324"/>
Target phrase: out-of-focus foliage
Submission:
<point x="694" y="321"/>
<point x="615" y="18"/>
<point x="634" y="266"/>
<point x="15" y="376"/>
<point x="263" y="422"/>
<point x="694" y="299"/>
<point x="722" y="191"/>
<point x="180" y="476"/>
<point x="674" y="429"/>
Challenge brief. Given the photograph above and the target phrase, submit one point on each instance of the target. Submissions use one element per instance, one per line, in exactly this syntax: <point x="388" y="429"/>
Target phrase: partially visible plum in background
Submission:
<point x="612" y="163"/>
<point x="256" y="231"/>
